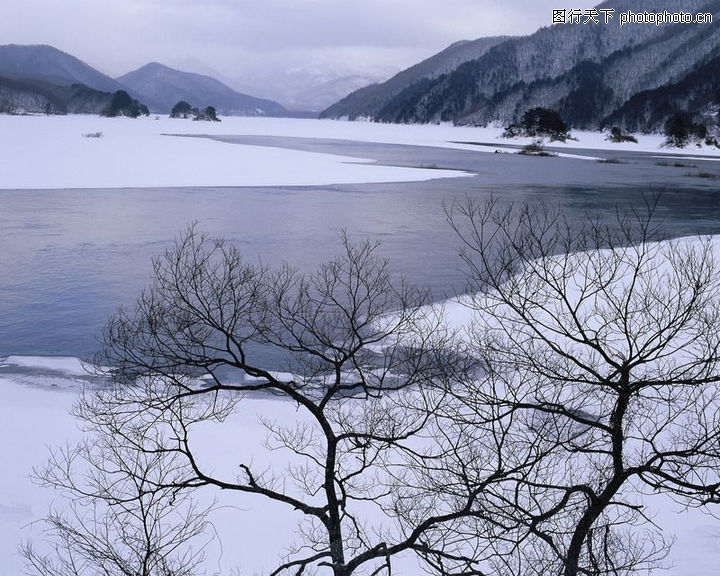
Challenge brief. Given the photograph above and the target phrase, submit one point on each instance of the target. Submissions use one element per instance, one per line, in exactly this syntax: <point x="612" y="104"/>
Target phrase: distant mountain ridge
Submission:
<point x="39" y="79"/>
<point x="589" y="73"/>
<point x="302" y="91"/>
<point x="48" y="64"/>
<point x="162" y="87"/>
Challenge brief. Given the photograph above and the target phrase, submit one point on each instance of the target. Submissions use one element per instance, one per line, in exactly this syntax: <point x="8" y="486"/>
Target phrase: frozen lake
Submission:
<point x="71" y="256"/>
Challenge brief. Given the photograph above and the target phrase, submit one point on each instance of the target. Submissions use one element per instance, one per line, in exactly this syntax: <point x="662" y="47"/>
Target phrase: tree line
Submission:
<point x="680" y="128"/>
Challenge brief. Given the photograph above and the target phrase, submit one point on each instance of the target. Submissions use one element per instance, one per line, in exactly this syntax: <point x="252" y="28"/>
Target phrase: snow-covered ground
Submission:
<point x="34" y="414"/>
<point x="253" y="533"/>
<point x="142" y="152"/>
<point x="51" y="152"/>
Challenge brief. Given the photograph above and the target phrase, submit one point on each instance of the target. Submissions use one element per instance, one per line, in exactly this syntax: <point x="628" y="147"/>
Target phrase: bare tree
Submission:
<point x="588" y="380"/>
<point x="600" y="350"/>
<point x="359" y="348"/>
<point x="116" y="518"/>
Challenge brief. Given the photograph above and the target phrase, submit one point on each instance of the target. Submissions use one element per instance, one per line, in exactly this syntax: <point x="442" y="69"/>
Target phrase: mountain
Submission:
<point x="162" y="87"/>
<point x="52" y="66"/>
<point x="312" y="86"/>
<point x="43" y="79"/>
<point x="586" y="72"/>
<point x="40" y="79"/>
<point x="370" y="99"/>
<point x="318" y="91"/>
<point x="321" y="92"/>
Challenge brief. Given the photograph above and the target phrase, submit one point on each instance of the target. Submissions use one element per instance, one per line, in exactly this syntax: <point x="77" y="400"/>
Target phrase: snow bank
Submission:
<point x="63" y="364"/>
<point x="254" y="532"/>
<point x="31" y="419"/>
<point x="55" y="152"/>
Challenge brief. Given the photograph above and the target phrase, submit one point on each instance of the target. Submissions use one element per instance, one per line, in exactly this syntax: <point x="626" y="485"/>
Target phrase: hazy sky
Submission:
<point x="237" y="38"/>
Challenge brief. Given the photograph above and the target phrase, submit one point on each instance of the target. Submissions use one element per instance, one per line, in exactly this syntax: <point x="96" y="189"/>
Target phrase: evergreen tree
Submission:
<point x="208" y="114"/>
<point x="680" y="129"/>
<point x="544" y="122"/>
<point x="122" y="104"/>
<point x="183" y="110"/>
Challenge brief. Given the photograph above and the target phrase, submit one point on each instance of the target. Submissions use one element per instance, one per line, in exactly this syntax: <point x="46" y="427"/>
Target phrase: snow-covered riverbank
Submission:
<point x="51" y="152"/>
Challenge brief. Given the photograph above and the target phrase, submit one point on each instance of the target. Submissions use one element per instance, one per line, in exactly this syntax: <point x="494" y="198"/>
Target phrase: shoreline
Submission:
<point x="90" y="152"/>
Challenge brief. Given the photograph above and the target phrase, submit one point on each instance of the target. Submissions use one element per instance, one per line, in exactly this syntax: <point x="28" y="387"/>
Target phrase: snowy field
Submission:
<point x="140" y="154"/>
<point x="253" y="532"/>
<point x="38" y="392"/>
<point x="143" y="152"/>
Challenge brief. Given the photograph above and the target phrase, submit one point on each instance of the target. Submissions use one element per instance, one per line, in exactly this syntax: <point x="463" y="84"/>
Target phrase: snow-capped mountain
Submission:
<point x="588" y="72"/>
<point x="321" y="90"/>
<point x="310" y="86"/>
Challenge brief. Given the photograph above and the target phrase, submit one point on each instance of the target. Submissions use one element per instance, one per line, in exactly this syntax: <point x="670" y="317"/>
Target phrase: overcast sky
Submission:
<point x="238" y="38"/>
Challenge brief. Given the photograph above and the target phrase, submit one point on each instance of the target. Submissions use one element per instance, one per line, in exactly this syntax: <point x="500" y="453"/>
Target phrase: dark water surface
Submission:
<point x="70" y="257"/>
